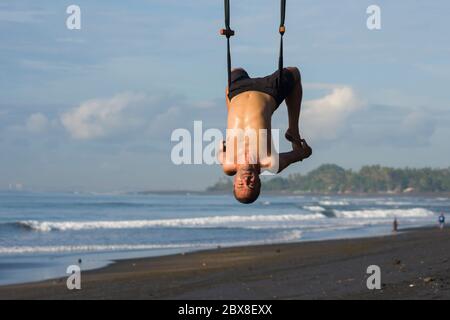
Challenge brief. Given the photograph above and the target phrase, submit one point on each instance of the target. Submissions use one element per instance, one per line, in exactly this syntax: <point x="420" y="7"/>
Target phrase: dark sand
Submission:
<point x="415" y="265"/>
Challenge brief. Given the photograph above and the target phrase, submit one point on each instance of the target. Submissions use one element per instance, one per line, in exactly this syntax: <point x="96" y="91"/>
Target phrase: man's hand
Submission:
<point x="228" y="168"/>
<point x="227" y="99"/>
<point x="221" y="155"/>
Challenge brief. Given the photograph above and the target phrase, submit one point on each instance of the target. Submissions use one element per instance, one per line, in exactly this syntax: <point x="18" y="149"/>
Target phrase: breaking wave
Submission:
<point x="381" y="213"/>
<point x="85" y="248"/>
<point x="333" y="203"/>
<point x="314" y="208"/>
<point x="205" y="222"/>
<point x="252" y="221"/>
<point x="285" y="236"/>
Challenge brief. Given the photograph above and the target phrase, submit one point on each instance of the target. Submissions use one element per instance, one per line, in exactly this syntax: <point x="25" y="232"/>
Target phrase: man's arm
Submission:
<point x="227" y="98"/>
<point x="228" y="168"/>
<point x="293" y="103"/>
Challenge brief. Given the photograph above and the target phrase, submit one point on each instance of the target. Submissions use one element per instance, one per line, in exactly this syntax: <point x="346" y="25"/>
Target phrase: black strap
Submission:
<point x="227" y="14"/>
<point x="229" y="62"/>
<point x="282" y="31"/>
<point x="228" y="33"/>
<point x="283" y="12"/>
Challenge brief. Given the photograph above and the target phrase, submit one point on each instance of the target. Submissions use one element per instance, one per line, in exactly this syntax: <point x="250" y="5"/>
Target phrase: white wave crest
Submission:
<point x="86" y="248"/>
<point x="285" y="236"/>
<point x="205" y="222"/>
<point x="290" y="235"/>
<point x="379" y="213"/>
<point x="314" y="208"/>
<point x="333" y="203"/>
<point x="392" y="203"/>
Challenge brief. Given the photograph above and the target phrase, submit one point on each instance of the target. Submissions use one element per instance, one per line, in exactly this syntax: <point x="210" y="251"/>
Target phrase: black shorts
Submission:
<point x="279" y="90"/>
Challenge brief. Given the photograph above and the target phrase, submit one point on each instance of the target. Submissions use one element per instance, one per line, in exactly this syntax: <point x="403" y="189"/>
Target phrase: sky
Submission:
<point x="94" y="109"/>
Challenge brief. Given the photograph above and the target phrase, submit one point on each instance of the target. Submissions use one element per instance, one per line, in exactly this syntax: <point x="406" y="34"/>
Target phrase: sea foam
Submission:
<point x="284" y="236"/>
<point x="381" y="213"/>
<point x="204" y="222"/>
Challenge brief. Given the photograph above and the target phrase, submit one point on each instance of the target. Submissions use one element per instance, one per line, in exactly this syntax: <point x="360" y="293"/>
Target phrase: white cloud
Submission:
<point x="205" y="104"/>
<point x="319" y="86"/>
<point x="101" y="117"/>
<point x="167" y="118"/>
<point x="418" y="127"/>
<point x="324" y="118"/>
<point x="37" y="123"/>
<point x="393" y="126"/>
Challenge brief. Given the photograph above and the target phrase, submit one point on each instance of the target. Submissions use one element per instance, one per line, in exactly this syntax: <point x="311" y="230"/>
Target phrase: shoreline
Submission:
<point x="127" y="256"/>
<point x="292" y="193"/>
<point x="229" y="193"/>
<point x="414" y="264"/>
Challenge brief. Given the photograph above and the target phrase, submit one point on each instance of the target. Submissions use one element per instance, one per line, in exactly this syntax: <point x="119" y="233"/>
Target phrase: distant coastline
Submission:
<point x="370" y="180"/>
<point x="294" y="193"/>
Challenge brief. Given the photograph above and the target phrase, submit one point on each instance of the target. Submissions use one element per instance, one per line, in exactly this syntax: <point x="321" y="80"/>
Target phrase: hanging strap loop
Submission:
<point x="282" y="31"/>
<point x="227" y="32"/>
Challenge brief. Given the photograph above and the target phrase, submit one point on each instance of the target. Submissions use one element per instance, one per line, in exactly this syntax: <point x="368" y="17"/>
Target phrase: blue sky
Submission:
<point x="93" y="109"/>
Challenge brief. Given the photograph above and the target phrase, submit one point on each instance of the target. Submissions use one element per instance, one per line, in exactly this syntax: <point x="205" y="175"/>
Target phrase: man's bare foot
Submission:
<point x="295" y="138"/>
<point x="292" y="136"/>
<point x="299" y="145"/>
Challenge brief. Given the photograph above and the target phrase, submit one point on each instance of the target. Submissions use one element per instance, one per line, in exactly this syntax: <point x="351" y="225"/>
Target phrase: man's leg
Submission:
<point x="293" y="102"/>
<point x="237" y="69"/>
<point x="227" y="90"/>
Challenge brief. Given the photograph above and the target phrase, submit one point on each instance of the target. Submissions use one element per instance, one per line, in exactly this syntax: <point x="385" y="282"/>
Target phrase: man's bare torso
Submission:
<point x="252" y="110"/>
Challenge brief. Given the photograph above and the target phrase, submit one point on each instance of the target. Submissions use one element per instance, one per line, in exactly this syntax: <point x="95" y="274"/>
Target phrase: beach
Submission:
<point x="43" y="233"/>
<point x="414" y="265"/>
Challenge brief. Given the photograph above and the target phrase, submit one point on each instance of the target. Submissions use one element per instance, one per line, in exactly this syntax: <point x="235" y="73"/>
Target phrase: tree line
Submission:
<point x="331" y="178"/>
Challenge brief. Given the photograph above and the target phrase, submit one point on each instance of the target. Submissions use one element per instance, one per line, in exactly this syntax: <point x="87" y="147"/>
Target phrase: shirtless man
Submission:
<point x="251" y="103"/>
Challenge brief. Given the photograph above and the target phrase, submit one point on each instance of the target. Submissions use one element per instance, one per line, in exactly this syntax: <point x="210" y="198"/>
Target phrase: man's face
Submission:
<point x="247" y="185"/>
<point x="246" y="180"/>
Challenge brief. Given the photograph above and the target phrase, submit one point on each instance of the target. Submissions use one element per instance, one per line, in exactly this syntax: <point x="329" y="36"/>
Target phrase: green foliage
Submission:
<point x="224" y="184"/>
<point x="370" y="179"/>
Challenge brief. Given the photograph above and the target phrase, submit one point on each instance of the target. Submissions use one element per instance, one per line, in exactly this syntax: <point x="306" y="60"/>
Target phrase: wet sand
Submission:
<point x="414" y="265"/>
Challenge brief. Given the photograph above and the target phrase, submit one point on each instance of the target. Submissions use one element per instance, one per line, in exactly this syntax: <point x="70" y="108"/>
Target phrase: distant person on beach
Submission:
<point x="251" y="103"/>
<point x="441" y="221"/>
<point x="395" y="225"/>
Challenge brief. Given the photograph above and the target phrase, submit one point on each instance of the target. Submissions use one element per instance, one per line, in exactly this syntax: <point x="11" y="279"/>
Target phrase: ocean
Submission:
<point x="41" y="234"/>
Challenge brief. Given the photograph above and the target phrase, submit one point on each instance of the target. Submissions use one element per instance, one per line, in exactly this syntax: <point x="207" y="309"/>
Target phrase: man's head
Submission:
<point x="247" y="184"/>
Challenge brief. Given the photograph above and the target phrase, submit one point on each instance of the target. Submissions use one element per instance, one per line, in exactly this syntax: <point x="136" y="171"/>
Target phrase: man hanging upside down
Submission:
<point x="251" y="103"/>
